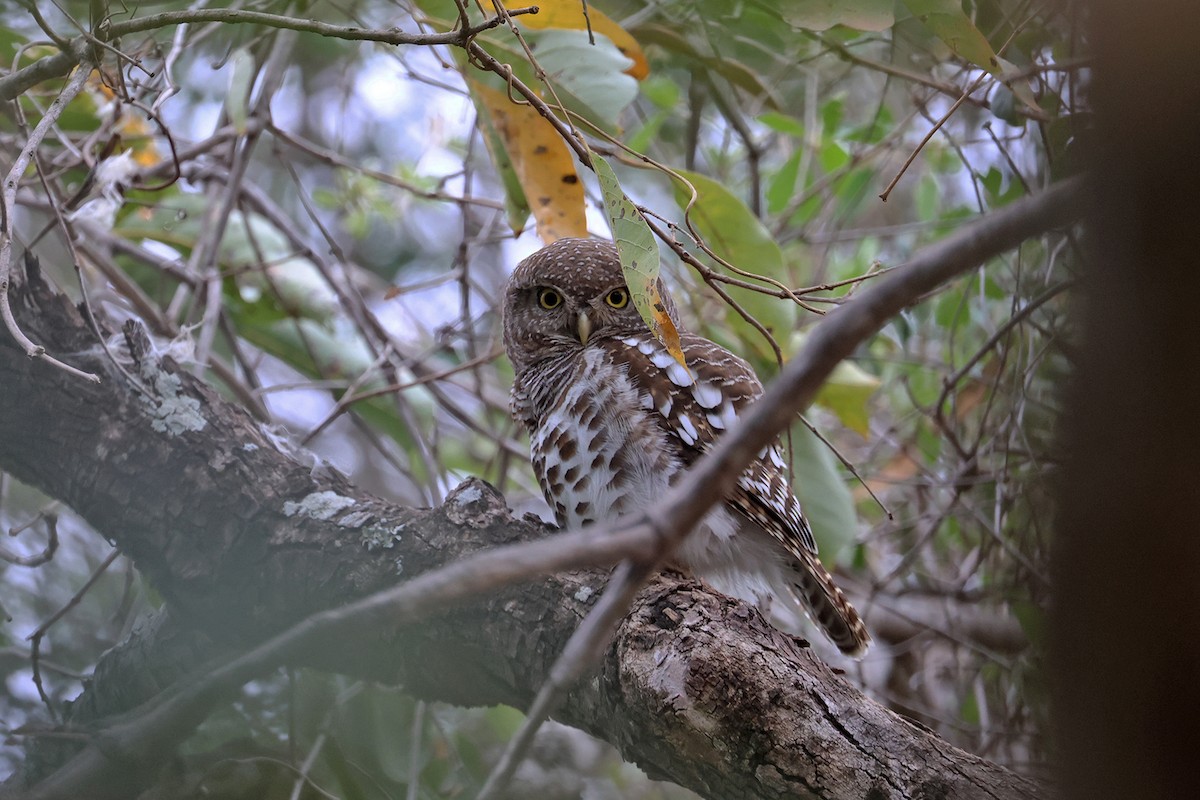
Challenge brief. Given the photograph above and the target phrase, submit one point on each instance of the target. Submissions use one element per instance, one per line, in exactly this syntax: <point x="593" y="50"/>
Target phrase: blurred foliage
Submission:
<point x="332" y="252"/>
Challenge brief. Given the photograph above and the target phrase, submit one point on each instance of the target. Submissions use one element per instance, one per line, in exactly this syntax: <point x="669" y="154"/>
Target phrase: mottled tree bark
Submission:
<point x="242" y="540"/>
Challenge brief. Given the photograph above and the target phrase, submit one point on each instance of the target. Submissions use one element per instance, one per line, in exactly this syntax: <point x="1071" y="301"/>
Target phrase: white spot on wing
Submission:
<point x="728" y="415"/>
<point x="707" y="395"/>
<point x="679" y="375"/>
<point x="687" y="431"/>
<point x="660" y="358"/>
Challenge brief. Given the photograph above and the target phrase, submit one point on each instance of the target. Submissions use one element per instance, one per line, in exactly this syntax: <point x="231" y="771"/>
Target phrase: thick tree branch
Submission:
<point x="243" y="540"/>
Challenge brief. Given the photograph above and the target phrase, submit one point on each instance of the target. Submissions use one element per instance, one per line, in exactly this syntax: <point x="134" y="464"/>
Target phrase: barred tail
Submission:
<point x="828" y="607"/>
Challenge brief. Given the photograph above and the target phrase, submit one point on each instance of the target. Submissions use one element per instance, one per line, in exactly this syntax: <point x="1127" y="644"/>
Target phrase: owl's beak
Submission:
<point x="583" y="326"/>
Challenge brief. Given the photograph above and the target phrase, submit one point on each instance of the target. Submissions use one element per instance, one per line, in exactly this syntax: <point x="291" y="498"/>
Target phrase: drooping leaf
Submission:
<point x="541" y="163"/>
<point x="820" y="15"/>
<point x="733" y="232"/>
<point x="782" y="185"/>
<point x="568" y="15"/>
<point x="639" y="257"/>
<point x="783" y="123"/>
<point x="846" y="392"/>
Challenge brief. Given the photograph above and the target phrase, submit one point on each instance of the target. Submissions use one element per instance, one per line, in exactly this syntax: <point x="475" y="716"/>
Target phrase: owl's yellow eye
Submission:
<point x="549" y="299"/>
<point x="617" y="298"/>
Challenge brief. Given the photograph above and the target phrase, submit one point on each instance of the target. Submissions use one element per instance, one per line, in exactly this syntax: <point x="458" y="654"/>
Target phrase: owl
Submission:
<point x="614" y="420"/>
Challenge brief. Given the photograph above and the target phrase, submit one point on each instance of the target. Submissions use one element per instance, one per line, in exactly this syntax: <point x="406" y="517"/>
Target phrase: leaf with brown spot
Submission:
<point x="541" y="163"/>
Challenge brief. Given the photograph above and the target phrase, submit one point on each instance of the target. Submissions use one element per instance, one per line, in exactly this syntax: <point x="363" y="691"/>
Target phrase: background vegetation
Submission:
<point x="321" y="226"/>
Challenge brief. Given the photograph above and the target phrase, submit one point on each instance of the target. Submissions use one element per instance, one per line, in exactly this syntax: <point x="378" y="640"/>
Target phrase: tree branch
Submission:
<point x="243" y="540"/>
<point x="60" y="63"/>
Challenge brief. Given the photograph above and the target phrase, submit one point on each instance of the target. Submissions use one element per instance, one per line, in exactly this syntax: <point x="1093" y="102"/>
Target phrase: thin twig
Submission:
<point x="35" y="638"/>
<point x="848" y="464"/>
<point x="929" y="135"/>
<point x="950" y="382"/>
<point x="48" y="551"/>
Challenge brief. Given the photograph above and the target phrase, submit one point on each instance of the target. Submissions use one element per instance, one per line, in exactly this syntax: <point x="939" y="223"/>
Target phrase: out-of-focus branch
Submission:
<point x="906" y="617"/>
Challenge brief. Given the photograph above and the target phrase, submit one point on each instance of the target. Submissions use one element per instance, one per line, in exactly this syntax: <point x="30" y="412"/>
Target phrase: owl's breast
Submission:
<point x="597" y="452"/>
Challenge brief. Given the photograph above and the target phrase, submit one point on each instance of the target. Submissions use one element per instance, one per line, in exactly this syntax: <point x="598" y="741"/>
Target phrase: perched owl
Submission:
<point x="614" y="420"/>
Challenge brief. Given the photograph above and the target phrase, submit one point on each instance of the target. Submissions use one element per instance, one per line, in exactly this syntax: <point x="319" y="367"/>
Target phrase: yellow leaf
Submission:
<point x="568" y="14"/>
<point x="542" y="163"/>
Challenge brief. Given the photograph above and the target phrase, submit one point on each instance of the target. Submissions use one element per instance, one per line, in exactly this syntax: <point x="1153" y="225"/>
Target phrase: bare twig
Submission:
<point x="51" y="518"/>
<point x="950" y="382"/>
<point x="35" y="638"/>
<point x="929" y="135"/>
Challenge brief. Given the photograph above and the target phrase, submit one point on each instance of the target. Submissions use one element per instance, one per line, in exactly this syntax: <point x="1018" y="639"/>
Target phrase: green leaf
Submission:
<point x="593" y="74"/>
<point x="832" y="156"/>
<point x="846" y="394"/>
<point x="927" y="197"/>
<point x="852" y="189"/>
<point x="820" y="15"/>
<point x="662" y="92"/>
<point x="641" y="139"/>
<point x="823" y="494"/>
<point x="782" y="184"/>
<point x="639" y="257"/>
<point x="729" y="68"/>
<point x="733" y="232"/>
<point x="782" y="123"/>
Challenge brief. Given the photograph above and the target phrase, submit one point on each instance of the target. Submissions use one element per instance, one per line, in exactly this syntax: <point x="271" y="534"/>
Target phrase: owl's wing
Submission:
<point x="694" y="409"/>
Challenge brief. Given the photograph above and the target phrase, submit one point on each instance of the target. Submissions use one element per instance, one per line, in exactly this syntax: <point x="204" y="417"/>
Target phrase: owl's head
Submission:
<point x="565" y="296"/>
